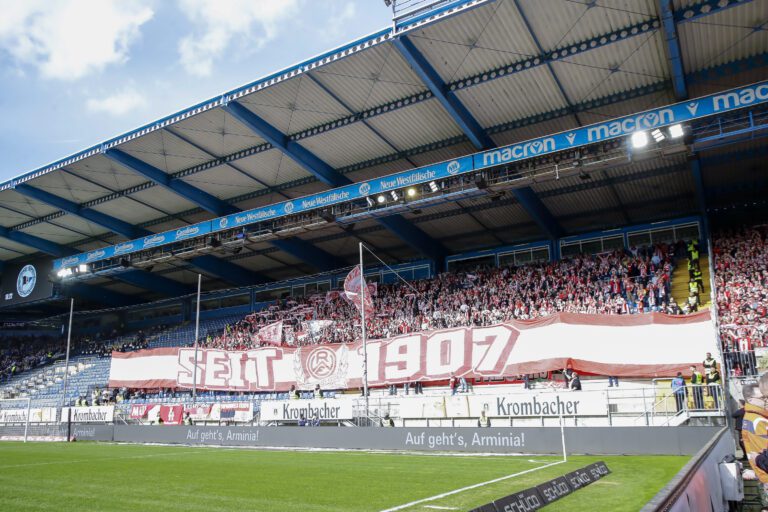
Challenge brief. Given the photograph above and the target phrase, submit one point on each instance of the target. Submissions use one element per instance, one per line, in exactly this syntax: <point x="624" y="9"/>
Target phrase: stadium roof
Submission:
<point x="467" y="76"/>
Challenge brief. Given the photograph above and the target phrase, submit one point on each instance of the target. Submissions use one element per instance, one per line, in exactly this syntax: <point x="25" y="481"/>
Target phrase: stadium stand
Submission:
<point x="620" y="282"/>
<point x="741" y="291"/>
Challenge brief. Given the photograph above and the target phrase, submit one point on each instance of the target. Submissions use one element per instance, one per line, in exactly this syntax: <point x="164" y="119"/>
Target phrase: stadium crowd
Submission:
<point x="24" y="353"/>
<point x="741" y="283"/>
<point x="619" y="282"/>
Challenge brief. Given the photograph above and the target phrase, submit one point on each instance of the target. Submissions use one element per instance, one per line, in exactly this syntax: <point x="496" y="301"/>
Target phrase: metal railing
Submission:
<point x="740" y="364"/>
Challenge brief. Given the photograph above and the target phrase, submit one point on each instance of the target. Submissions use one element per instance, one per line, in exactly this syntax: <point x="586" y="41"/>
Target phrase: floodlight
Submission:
<point x="639" y="139"/>
<point x="676" y="131"/>
<point x="381" y="199"/>
<point x="658" y="135"/>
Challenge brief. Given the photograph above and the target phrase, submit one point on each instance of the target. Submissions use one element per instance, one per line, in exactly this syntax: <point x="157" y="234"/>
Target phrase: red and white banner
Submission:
<point x="272" y="333"/>
<point x="650" y="345"/>
<point x="172" y="414"/>
<point x="353" y="285"/>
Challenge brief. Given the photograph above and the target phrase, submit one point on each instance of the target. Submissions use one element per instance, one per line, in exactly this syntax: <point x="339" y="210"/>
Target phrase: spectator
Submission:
<point x="697" y="380"/>
<point x="484" y="421"/>
<point x="575" y="382"/>
<point x="679" y="390"/>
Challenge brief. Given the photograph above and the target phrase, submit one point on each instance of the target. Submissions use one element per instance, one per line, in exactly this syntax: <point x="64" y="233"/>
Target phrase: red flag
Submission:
<point x="352" y="286"/>
<point x="272" y="333"/>
<point x="172" y="414"/>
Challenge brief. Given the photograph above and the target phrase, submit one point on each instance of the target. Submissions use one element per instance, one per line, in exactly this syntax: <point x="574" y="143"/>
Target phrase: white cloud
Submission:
<point x="68" y="39"/>
<point x="117" y="104"/>
<point x="219" y="23"/>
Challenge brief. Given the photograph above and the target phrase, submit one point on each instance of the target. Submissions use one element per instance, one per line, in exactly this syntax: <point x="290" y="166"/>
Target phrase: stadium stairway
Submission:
<point x="679" y="285"/>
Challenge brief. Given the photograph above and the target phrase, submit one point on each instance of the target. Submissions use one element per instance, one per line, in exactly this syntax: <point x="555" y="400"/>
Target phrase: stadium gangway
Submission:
<point x="674" y="417"/>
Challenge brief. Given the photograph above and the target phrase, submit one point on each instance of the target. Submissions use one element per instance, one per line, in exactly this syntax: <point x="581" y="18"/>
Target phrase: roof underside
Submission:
<point x="370" y="114"/>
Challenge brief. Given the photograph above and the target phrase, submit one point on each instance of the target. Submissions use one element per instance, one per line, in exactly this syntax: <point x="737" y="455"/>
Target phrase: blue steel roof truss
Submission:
<point x="472" y="129"/>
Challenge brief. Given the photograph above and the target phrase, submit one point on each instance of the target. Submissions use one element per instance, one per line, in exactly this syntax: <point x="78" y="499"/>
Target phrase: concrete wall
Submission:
<point x="542" y="440"/>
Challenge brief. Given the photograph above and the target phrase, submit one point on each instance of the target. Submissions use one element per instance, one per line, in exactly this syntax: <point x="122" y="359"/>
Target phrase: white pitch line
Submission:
<point x="92" y="460"/>
<point x="437" y="507"/>
<point x="470" y="487"/>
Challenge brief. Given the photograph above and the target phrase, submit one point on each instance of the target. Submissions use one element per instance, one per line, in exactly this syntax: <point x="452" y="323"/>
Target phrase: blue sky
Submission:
<point x="76" y="72"/>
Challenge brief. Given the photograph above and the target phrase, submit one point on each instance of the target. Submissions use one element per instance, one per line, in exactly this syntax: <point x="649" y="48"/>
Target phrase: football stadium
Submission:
<point x="499" y="255"/>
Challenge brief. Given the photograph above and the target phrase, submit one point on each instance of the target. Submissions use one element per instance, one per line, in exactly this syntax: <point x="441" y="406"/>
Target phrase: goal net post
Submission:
<point x="25" y="419"/>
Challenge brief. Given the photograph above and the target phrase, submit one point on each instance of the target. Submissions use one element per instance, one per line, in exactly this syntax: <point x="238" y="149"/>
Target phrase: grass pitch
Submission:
<point x="86" y="476"/>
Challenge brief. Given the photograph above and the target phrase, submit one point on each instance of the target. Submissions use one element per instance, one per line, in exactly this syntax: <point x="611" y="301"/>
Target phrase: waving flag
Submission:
<point x="272" y="333"/>
<point x="352" y="287"/>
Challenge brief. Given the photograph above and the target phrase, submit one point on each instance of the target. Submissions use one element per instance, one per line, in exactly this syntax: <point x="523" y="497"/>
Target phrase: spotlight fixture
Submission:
<point x="411" y="192"/>
<point x="370" y="202"/>
<point x="639" y="140"/>
<point x="676" y="131"/>
<point x="433" y="186"/>
<point x="381" y="199"/>
<point x="82" y="268"/>
<point x="394" y="195"/>
<point x="658" y="135"/>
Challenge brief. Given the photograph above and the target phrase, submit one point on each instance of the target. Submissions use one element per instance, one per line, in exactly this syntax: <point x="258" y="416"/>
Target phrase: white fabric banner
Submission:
<point x="294" y="410"/>
<point x="649" y="345"/>
<point x="36" y="415"/>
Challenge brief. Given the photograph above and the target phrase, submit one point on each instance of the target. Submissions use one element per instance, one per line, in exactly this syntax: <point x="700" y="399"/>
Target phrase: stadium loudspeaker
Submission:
<point x="125" y="263"/>
<point x="214" y="242"/>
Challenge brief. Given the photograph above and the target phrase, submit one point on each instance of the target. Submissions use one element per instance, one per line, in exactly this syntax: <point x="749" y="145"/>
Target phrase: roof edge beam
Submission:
<point x="308" y="253"/>
<point x="113" y="224"/>
<point x="447" y="98"/>
<point x="42" y="245"/>
<point x="153" y="282"/>
<point x="228" y="271"/>
<point x="189" y="192"/>
<point x="674" y="54"/>
<point x="538" y="212"/>
<point x="295" y="151"/>
<point x="415" y="237"/>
